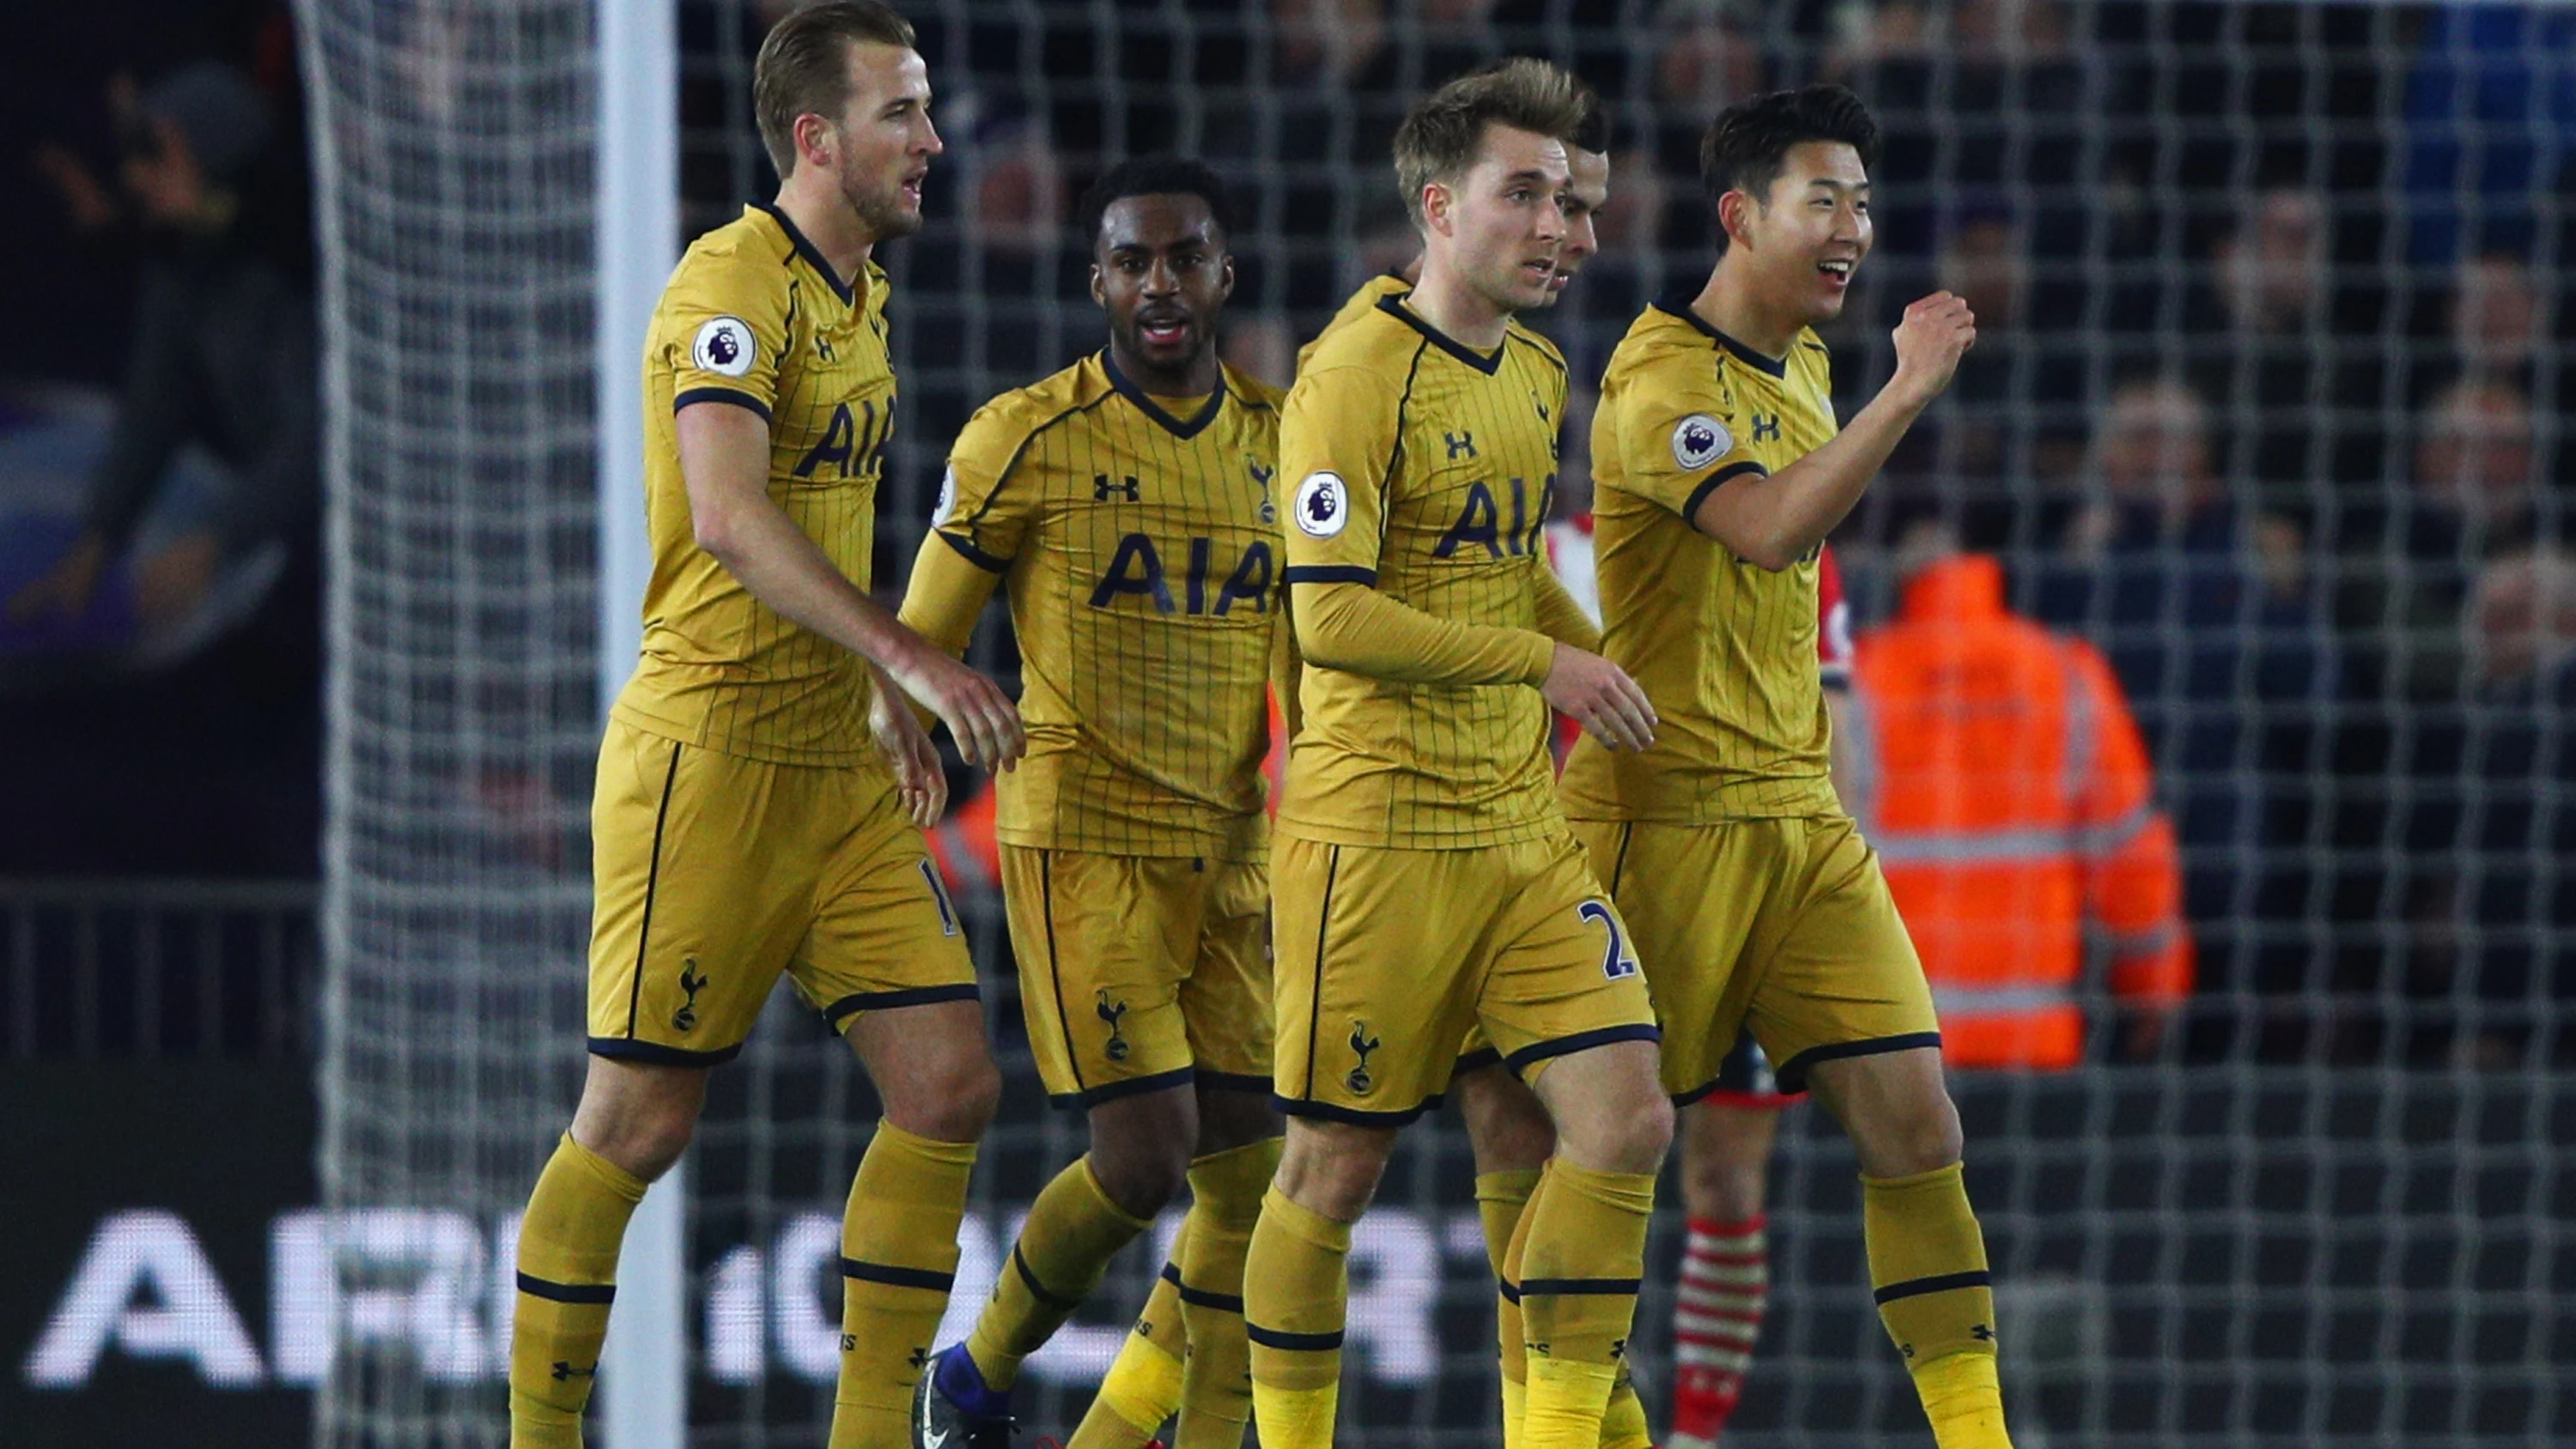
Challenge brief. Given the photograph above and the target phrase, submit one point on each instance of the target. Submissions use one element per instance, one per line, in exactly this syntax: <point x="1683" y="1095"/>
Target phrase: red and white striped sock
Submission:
<point x="1717" y="1317"/>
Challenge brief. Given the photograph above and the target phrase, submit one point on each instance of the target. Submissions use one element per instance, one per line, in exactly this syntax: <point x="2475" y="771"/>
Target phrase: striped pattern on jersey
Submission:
<point x="1448" y="496"/>
<point x="754" y="318"/>
<point x="1726" y="651"/>
<point x="1139" y="541"/>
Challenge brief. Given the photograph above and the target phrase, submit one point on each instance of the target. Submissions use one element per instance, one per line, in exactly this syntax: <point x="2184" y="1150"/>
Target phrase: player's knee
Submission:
<point x="953" y="1102"/>
<point x="1333" y="1168"/>
<point x="1142" y="1177"/>
<point x="639" y="1118"/>
<point x="643" y="1139"/>
<point x="1644" y="1133"/>
<point x="1140" y="1148"/>
<point x="1913" y="1137"/>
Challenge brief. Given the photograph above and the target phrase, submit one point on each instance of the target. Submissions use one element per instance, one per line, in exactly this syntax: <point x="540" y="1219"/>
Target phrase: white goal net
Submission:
<point x="2329" y="1210"/>
<point x="453" y="145"/>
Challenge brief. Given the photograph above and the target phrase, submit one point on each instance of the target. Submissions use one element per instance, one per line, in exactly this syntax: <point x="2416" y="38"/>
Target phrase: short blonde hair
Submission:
<point x="1443" y="133"/>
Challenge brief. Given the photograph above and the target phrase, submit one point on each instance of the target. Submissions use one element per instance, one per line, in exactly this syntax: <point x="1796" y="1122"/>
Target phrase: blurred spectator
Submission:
<point x="1703" y="60"/>
<point x="2492" y="835"/>
<point x="1261" y="343"/>
<point x="1017" y="186"/>
<point x="2499" y="327"/>
<point x="2012" y="423"/>
<point x="2497" y="319"/>
<point x="223" y="353"/>
<point x="2298" y="380"/>
<point x="2473" y="494"/>
<point x="2202" y="607"/>
<point x="2001" y="781"/>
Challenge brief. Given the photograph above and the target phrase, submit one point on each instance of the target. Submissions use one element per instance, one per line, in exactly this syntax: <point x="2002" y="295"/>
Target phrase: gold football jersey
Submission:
<point x="754" y="318"/>
<point x="1362" y="302"/>
<point x="1139" y="540"/>
<point x="1423" y="469"/>
<point x="1725" y="650"/>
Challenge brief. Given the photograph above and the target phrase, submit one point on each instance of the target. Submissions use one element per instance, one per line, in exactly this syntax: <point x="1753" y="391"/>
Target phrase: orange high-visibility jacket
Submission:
<point x="2005" y="787"/>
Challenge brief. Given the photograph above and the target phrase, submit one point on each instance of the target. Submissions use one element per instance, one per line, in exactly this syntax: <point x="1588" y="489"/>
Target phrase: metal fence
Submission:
<point x="94" y="970"/>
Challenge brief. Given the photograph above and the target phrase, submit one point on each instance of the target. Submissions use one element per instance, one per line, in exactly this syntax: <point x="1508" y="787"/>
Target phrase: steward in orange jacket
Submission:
<point x="2001" y="779"/>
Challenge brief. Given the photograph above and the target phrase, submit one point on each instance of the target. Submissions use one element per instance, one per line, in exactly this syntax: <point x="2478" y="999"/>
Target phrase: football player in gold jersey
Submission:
<point x="1719" y="472"/>
<point x="1127" y="506"/>
<point x="761" y="790"/>
<point x="1507" y="1126"/>
<point x="1426" y="881"/>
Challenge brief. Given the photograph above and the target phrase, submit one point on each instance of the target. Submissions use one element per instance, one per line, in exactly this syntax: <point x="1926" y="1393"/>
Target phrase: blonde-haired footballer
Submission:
<point x="1756" y="903"/>
<point x="761" y="792"/>
<point x="1128" y="504"/>
<point x="1426" y="880"/>
<point x="1508" y="1131"/>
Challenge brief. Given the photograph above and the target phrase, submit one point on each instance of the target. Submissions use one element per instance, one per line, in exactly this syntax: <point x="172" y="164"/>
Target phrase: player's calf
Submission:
<point x="1580" y="1250"/>
<point x="1927" y="1256"/>
<point x="634" y="1121"/>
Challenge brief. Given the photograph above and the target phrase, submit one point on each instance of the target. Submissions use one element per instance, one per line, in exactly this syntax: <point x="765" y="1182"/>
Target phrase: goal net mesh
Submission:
<point x="2321" y="242"/>
<point x="453" y="144"/>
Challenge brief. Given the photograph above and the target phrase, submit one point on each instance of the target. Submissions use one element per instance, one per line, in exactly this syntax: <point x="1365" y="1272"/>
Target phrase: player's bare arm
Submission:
<point x="1772" y="522"/>
<point x="724" y="459"/>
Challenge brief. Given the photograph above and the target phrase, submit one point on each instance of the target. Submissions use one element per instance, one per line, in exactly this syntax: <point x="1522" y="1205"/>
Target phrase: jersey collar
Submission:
<point x="847" y="291"/>
<point x="1145" y="404"/>
<point x="1393" y="306"/>
<point x="1676" y="305"/>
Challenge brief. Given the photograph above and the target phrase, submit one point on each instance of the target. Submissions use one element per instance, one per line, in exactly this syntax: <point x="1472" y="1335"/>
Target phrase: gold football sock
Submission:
<point x="1927" y="1261"/>
<point x="1225" y="1204"/>
<point x="1582" y="1252"/>
<point x="898" y="1259"/>
<point x="568" y="1245"/>
<point x="1623" y="1419"/>
<point x="1072" y="1232"/>
<point x="1143" y="1385"/>
<point x="1296" y="1288"/>
<point x="1501" y="1202"/>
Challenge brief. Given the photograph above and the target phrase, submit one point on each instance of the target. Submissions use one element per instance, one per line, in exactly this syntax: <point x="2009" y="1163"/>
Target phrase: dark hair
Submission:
<point x="1441" y="134"/>
<point x="804" y="67"/>
<point x="1748" y="144"/>
<point x="1161" y="175"/>
<point x="1593" y="134"/>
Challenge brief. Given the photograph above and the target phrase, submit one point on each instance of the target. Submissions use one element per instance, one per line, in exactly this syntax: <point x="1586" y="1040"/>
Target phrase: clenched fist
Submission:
<point x="1936" y="331"/>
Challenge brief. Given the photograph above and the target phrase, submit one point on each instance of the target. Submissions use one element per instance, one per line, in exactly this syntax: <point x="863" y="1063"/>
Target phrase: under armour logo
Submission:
<point x="1766" y="427"/>
<point x="920" y="1354"/>
<point x="1982" y="1334"/>
<point x="564" y="1371"/>
<point x="1125" y="487"/>
<point x="1461" y="445"/>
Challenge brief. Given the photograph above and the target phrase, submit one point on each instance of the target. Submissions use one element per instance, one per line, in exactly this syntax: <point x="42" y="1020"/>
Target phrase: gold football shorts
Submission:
<point x="1387" y="957"/>
<point x="1782" y="926"/>
<point x="714" y="874"/>
<point x="1139" y="973"/>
